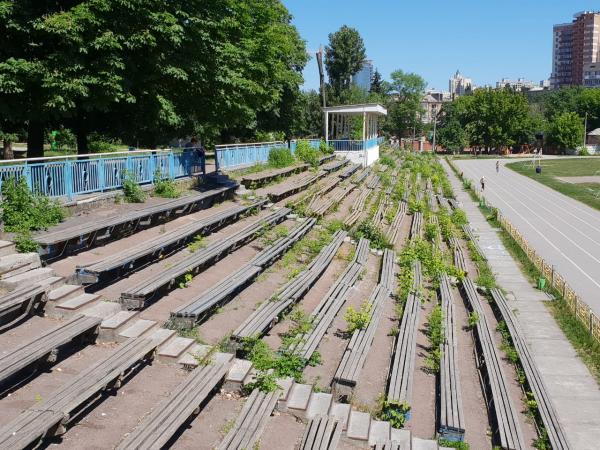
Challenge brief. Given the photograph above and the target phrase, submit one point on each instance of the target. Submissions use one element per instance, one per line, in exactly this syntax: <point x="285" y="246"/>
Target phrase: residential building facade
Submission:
<point x="576" y="51"/>
<point x="432" y="104"/>
<point x="459" y="85"/>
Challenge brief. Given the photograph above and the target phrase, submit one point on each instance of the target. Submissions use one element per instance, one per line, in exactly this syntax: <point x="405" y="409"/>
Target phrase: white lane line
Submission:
<point x="555" y="247"/>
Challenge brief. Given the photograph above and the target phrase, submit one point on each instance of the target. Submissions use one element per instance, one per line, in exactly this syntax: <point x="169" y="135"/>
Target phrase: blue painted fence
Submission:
<point x="71" y="176"/>
<point x="236" y="156"/>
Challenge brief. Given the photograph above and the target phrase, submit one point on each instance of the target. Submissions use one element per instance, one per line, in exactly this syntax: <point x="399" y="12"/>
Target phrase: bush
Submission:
<point x="23" y="211"/>
<point x="358" y="320"/>
<point x="326" y="149"/>
<point x="583" y="151"/>
<point x="25" y="243"/>
<point x="98" y="143"/>
<point x="131" y="189"/>
<point x="280" y="157"/>
<point x="377" y="238"/>
<point x="435" y="334"/>
<point x="165" y="187"/>
<point x="307" y="154"/>
<point x="394" y="412"/>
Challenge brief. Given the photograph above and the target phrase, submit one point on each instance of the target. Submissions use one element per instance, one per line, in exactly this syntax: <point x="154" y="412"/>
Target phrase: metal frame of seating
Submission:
<point x="21" y="303"/>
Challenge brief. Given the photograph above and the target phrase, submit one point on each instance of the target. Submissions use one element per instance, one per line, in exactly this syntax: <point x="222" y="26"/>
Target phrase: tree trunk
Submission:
<point x="82" y="141"/>
<point x="35" y="139"/>
<point x="7" y="150"/>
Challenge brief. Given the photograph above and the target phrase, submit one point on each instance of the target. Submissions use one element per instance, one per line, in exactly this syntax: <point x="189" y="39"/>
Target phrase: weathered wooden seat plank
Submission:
<point x="270" y="310"/>
<point x="403" y="363"/>
<point x="153" y="249"/>
<point x="54" y="244"/>
<point x="251" y="422"/>
<point x="51" y="416"/>
<point x="556" y="433"/>
<point x="322" y="433"/>
<point x="43" y="348"/>
<point x="471" y="236"/>
<point x="192" y="312"/>
<point x="21" y="303"/>
<point x="451" y="423"/>
<point x="173" y="412"/>
<point x="416" y="228"/>
<point x="137" y="296"/>
<point x="507" y="427"/>
<point x="254" y="180"/>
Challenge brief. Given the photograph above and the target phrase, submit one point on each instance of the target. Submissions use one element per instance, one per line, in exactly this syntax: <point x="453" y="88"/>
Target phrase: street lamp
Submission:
<point x="434" y="114"/>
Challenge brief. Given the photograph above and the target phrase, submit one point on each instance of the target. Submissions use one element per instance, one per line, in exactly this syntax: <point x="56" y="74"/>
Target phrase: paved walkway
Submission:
<point x="563" y="231"/>
<point x="572" y="388"/>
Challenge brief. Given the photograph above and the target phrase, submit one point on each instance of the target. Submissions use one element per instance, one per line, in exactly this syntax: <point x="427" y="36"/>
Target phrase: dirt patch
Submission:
<point x="283" y="432"/>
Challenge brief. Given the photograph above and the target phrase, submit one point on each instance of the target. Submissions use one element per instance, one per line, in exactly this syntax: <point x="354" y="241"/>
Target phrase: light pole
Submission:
<point x="585" y="130"/>
<point x="433" y="110"/>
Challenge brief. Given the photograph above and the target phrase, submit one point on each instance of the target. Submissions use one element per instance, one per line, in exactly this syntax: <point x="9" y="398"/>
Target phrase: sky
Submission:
<point x="486" y="40"/>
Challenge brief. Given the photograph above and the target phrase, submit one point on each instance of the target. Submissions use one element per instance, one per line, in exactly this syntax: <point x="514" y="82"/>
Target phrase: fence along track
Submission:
<point x="508" y="429"/>
<point x="270" y="310"/>
<point x="556" y="434"/>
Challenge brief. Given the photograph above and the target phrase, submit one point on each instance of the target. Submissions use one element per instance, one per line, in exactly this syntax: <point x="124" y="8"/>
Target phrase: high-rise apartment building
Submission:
<point x="459" y="85"/>
<point x="576" y="51"/>
<point x="364" y="76"/>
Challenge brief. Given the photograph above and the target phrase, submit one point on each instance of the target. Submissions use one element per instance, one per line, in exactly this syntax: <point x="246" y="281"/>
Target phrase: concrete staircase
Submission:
<point x="301" y="401"/>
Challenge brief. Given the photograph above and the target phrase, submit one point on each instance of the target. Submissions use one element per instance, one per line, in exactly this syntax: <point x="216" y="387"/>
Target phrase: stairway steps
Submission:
<point x="137" y="329"/>
<point x="113" y="325"/>
<point x="69" y="308"/>
<point x="174" y="350"/>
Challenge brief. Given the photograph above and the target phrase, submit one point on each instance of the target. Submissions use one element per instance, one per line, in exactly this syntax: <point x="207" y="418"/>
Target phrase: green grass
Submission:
<point x="588" y="193"/>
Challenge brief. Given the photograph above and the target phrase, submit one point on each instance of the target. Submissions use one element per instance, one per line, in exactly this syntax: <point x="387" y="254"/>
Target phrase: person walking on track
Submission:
<point x="482" y="182"/>
<point x="497" y="166"/>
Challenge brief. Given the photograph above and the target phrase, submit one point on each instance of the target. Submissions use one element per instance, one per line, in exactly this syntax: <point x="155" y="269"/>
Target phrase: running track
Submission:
<point x="565" y="232"/>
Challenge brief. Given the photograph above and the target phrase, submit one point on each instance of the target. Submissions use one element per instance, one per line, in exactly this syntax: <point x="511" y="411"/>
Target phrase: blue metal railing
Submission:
<point x="71" y="175"/>
<point x="314" y="143"/>
<point x="236" y="156"/>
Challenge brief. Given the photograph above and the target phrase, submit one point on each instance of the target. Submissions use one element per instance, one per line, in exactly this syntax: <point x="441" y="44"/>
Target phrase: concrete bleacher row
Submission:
<point x="58" y="243"/>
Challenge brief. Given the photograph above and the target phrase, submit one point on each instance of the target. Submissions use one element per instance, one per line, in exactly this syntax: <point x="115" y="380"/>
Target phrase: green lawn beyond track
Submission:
<point x="588" y="193"/>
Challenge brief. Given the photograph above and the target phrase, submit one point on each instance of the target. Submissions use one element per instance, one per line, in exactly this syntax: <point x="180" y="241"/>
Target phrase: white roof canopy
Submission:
<point x="369" y="108"/>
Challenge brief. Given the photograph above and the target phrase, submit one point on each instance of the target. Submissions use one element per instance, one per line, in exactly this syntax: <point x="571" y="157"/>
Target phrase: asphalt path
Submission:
<point x="565" y="232"/>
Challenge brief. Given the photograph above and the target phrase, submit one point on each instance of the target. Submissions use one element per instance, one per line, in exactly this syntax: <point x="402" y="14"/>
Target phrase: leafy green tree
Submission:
<point x="404" y="110"/>
<point x="377" y="83"/>
<point x="566" y="131"/>
<point x="452" y="136"/>
<point x="308" y="115"/>
<point x="344" y="57"/>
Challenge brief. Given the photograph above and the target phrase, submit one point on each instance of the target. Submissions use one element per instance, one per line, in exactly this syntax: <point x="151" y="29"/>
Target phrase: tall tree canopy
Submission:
<point x="404" y="109"/>
<point x="344" y="57"/>
<point x="147" y="70"/>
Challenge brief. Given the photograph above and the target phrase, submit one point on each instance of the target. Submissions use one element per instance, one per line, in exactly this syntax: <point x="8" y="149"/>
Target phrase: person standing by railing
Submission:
<point x="199" y="150"/>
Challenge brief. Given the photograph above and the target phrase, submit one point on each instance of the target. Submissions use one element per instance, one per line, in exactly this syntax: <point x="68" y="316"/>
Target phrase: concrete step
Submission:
<point x="402" y="437"/>
<point x="359" y="425"/>
<point x="424" y="444"/>
<point x="341" y="411"/>
<point x="113" y="325"/>
<point x="53" y="282"/>
<point x="162" y="336"/>
<point x="103" y="310"/>
<point x="379" y="432"/>
<point x="69" y="308"/>
<point x="7" y="248"/>
<point x="18" y="263"/>
<point x="189" y="361"/>
<point x="320" y="403"/>
<point x="174" y="350"/>
<point x="65" y="292"/>
<point x="237" y="374"/>
<point x="299" y="399"/>
<point x="286" y="385"/>
<point x="138" y="328"/>
<point x="29" y="277"/>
